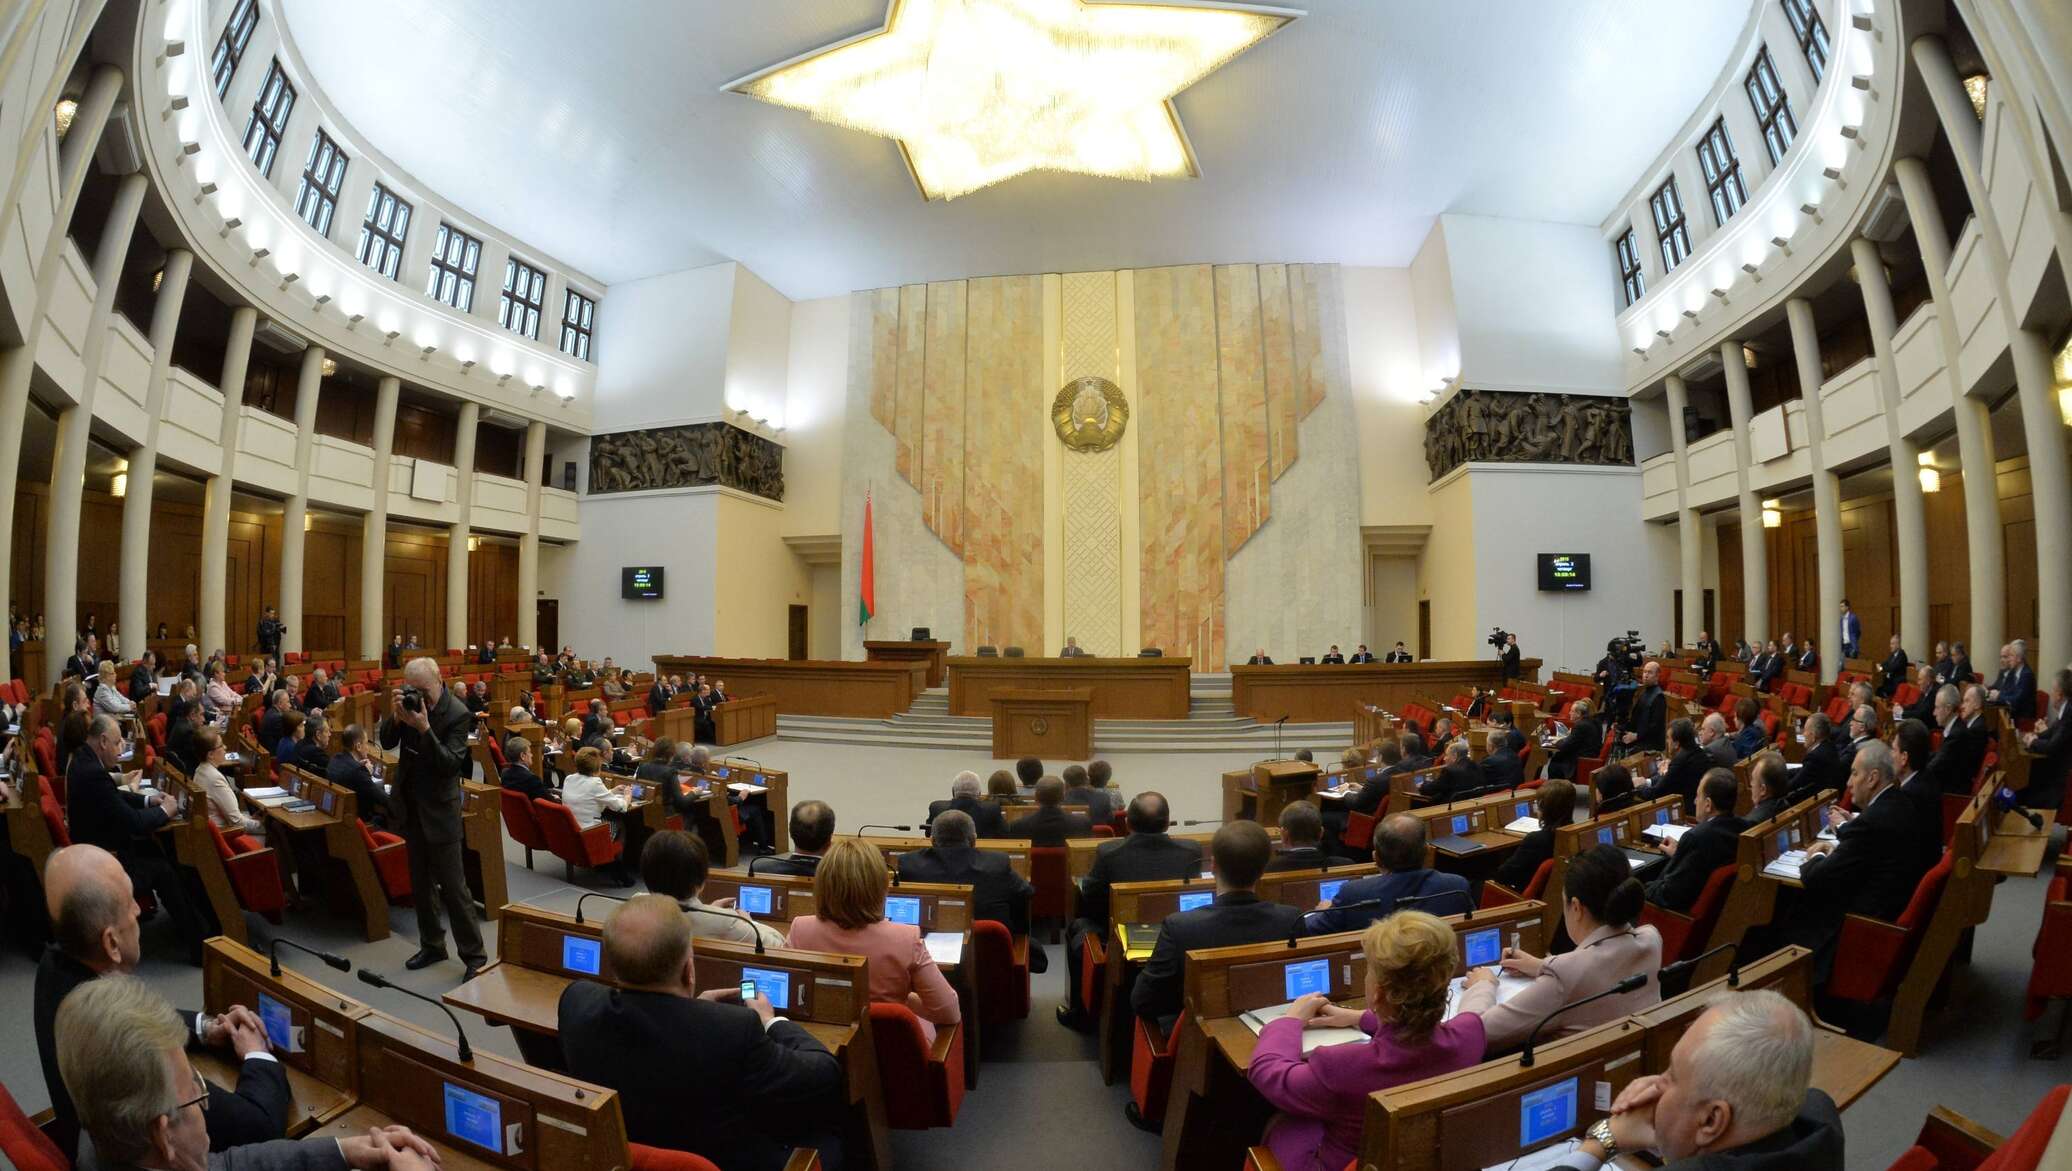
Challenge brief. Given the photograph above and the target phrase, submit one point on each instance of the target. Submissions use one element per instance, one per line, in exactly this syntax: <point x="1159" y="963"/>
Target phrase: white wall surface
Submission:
<point x="1381" y="330"/>
<point x="816" y="388"/>
<point x="1431" y="294"/>
<point x="1534" y="305"/>
<point x="662" y="349"/>
<point x="758" y="344"/>
<point x="675" y="530"/>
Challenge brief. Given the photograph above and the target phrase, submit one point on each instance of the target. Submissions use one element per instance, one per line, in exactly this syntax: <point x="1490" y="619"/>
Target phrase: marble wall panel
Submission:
<point x="1241" y="381"/>
<point x="1180" y="477"/>
<point x="941" y="475"/>
<point x="1277" y="351"/>
<point x="1003" y="469"/>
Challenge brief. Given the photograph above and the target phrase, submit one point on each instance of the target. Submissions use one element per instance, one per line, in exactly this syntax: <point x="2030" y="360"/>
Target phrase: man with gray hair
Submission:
<point x="1738" y="1093"/>
<point x="2015" y="687"/>
<point x="997" y="892"/>
<point x="106" y="811"/>
<point x="428" y="727"/>
<point x="1458" y="777"/>
<point x="1863" y="729"/>
<point x="1965" y="738"/>
<point x="965" y="797"/>
<point x="1712" y="737"/>
<point x="1874" y="862"/>
<point x="758" y="825"/>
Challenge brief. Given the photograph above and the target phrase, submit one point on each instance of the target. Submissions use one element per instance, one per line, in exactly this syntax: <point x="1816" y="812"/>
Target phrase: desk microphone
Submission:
<point x="1202" y="821"/>
<point x="273" y="956"/>
<point x="2004" y="800"/>
<point x="596" y="894"/>
<point x="370" y="976"/>
<point x="1733" y="967"/>
<point x="1631" y="983"/>
<point x="734" y="916"/>
<point x="905" y="829"/>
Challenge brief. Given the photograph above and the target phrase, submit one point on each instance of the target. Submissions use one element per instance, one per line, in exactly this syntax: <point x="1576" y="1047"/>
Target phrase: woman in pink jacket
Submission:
<point x="849" y="919"/>
<point x="1322" y="1095"/>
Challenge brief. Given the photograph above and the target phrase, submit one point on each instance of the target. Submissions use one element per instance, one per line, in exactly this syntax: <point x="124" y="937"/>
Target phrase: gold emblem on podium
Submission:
<point x="1038" y="725"/>
<point x="1090" y="413"/>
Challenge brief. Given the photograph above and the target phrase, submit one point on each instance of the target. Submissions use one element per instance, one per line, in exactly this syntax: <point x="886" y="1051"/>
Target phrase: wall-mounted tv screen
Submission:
<point x="640" y="581"/>
<point x="1564" y="571"/>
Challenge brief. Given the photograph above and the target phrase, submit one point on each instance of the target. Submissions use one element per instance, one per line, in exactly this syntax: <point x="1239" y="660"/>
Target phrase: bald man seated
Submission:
<point x="94" y="917"/>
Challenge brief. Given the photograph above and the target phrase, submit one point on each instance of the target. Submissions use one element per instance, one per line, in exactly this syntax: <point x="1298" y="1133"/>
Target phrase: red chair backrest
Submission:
<point x="24" y="1145"/>
<point x="1539" y="880"/>
<point x="154" y="730"/>
<point x="519" y="821"/>
<point x="53" y="817"/>
<point x="559" y="826"/>
<point x="1359" y="830"/>
<point x="1049" y="874"/>
<point x="646" y="1158"/>
<point x="1003" y="988"/>
<point x="1926" y="892"/>
<point x="2023" y="1150"/>
<point x="1104" y="831"/>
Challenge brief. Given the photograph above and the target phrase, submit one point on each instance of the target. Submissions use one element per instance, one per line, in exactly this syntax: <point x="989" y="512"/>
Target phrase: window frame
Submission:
<point x="316" y="196"/>
<point x="461" y="272"/>
<point x="1773" y="116"/>
<point x="231" y="45"/>
<point x="1672" y="224"/>
<point x="385" y="243"/>
<point x="1632" y="277"/>
<point x="269" y="120"/>
<point x="1720" y="166"/>
<point x="1811" y="32"/>
<point x="578" y="329"/>
<point x="525" y="275"/>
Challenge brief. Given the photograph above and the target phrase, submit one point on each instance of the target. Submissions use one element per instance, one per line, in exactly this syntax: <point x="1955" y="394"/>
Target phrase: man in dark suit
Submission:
<point x="1146" y="855"/>
<point x="1238" y="916"/>
<point x="518" y="775"/>
<point x="181" y="725"/>
<point x="1585" y="737"/>
<point x="2015" y="687"/>
<point x="658" y="695"/>
<point x="1556" y="804"/>
<point x="1809" y="658"/>
<point x="1644" y="719"/>
<point x="596" y="721"/>
<point x="94" y="917"/>
<point x="1894" y="669"/>
<point x="271" y="628"/>
<point x="1050" y="825"/>
<point x="273" y="725"/>
<point x="1704" y="848"/>
<point x="1259" y="659"/>
<point x="143" y="680"/>
<point x="2051" y="744"/>
<point x="1863" y="729"/>
<point x="348" y="768"/>
<point x="1399" y="847"/>
<point x="1501" y="768"/>
<point x="1373" y="790"/>
<point x="1457" y="779"/>
<point x="964" y="798"/>
<point x="313" y="751"/>
<point x="1362" y="655"/>
<point x="1923" y="707"/>
<point x="997" y="892"/>
<point x="1399" y="655"/>
<point x="103" y="813"/>
<point x="1874" y="863"/>
<point x="812" y="827"/>
<point x="1965" y="740"/>
<point x="1302" y="841"/>
<point x="697" y="1072"/>
<point x="84" y="662"/>
<point x="1768" y="668"/>
<point x="1852" y="631"/>
<point x="1510" y="656"/>
<point x="1685" y="769"/>
<point x="1821" y="767"/>
<point x="702" y="724"/>
<point x="1334" y="655"/>
<point x="321" y="694"/>
<point x="430" y="731"/>
<point x="1080" y="790"/>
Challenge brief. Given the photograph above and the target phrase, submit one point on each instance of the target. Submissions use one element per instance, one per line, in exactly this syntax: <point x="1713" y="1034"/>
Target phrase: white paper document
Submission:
<point x="1257" y="1020"/>
<point x="1787" y="864"/>
<point x="944" y="947"/>
<point x="1523" y="825"/>
<point x="268" y="791"/>
<point x="1542" y="1159"/>
<point x="1666" y="833"/>
<point x="748" y="790"/>
<point x="1508" y="984"/>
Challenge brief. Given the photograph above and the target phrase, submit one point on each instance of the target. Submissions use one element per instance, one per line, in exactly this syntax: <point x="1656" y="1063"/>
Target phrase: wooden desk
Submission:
<point x="332" y="830"/>
<point x="1312" y="693"/>
<point x="1053" y="725"/>
<point x="2015" y="847"/>
<point x="745" y="777"/>
<point x="27" y="833"/>
<point x="1123" y="689"/>
<point x="1016" y="849"/>
<point x="813" y="687"/>
<point x="1260" y="793"/>
<point x="748" y="717"/>
<point x="482" y="845"/>
<point x="323" y="1063"/>
<point x="933" y="654"/>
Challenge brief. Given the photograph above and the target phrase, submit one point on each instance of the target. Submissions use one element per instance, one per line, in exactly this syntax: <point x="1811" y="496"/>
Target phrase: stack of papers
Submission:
<point x="746" y="789"/>
<point x="268" y="791"/>
<point x="1545" y="1159"/>
<point x="1508" y="984"/>
<point x="1257" y="1020"/>
<point x="944" y="947"/>
<point x="1787" y="865"/>
<point x="1666" y="833"/>
<point x="1523" y="825"/>
<point x="1826" y="834"/>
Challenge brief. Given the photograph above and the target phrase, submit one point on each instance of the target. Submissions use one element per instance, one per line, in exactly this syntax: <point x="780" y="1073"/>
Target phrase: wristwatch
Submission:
<point x="1600" y="1132"/>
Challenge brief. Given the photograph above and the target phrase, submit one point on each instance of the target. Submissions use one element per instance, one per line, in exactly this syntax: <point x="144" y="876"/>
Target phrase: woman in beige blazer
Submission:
<point x="1602" y="902"/>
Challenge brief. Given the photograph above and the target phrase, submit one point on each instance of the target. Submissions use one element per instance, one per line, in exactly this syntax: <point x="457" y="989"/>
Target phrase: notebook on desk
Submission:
<point x="1137" y="940"/>
<point x="1786" y="865"/>
<point x="1641" y="860"/>
<point x="1257" y="1020"/>
<point x="1455" y="844"/>
<point x="944" y="947"/>
<point x="1508" y="984"/>
<point x="1670" y="832"/>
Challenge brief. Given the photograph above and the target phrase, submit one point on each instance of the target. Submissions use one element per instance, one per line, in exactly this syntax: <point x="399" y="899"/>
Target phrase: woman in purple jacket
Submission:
<point x="1322" y="1095"/>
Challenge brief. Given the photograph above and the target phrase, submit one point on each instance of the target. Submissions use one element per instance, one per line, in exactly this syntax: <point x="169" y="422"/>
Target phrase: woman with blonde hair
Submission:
<point x="849" y="919"/>
<point x="1322" y="1094"/>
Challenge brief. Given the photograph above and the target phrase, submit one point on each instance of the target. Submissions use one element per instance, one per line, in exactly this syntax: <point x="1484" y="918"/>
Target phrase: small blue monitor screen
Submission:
<point x="1307" y="977"/>
<point x="474" y="1118"/>
<point x="639" y="792"/>
<point x="1196" y="899"/>
<point x="581" y="955"/>
<point x="756" y="900"/>
<point x="1327" y="891"/>
<point x="1546" y="1113"/>
<point x="280" y="1028"/>
<point x="327" y="800"/>
<point x="775" y="986"/>
<point x="1662" y="816"/>
<point x="904" y="909"/>
<point x="1783" y="841"/>
<point x="1604" y="836"/>
<point x="1483" y="947"/>
<point x="722" y="773"/>
<point x="1522" y="809"/>
<point x="1460" y="824"/>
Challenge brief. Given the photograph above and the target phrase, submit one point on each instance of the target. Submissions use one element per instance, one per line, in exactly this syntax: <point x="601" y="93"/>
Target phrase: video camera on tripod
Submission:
<point x="1620" y="672"/>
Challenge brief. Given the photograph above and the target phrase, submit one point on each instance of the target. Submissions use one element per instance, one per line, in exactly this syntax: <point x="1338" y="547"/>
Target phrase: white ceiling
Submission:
<point x="598" y="132"/>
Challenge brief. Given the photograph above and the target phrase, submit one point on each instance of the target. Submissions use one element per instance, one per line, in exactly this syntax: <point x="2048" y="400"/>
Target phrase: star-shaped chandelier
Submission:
<point x="977" y="91"/>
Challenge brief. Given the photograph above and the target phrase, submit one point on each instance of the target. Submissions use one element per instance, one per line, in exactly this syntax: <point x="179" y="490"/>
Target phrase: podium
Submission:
<point x="1049" y="724"/>
<point x="1261" y="792"/>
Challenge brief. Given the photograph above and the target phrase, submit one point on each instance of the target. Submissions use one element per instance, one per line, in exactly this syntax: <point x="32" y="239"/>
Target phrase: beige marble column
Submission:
<point x="1827" y="489"/>
<point x="1690" y="527"/>
<point x="213" y="621"/>
<point x="143" y="458"/>
<point x="529" y="541"/>
<point x="295" y="513"/>
<point x="1909" y="513"/>
<point x="457" y="532"/>
<point x="374" y="528"/>
<point x="1755" y="551"/>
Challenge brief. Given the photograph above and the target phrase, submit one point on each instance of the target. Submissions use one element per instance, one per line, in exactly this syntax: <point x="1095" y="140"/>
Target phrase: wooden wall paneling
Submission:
<point x="174" y="596"/>
<point x="30" y="516"/>
<point x="2018" y="535"/>
<point x="1949" y="564"/>
<point x="345" y="410"/>
<point x="250" y="549"/>
<point x="331" y="584"/>
<point x="1732" y="617"/>
<point x="492" y="592"/>
<point x="424" y="432"/>
<point x="414" y="586"/>
<point x="499" y="451"/>
<point x="100" y="559"/>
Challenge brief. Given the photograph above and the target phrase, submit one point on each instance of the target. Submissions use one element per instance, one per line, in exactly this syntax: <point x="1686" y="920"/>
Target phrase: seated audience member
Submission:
<point x="1001" y="787"/>
<point x="1737" y="1094"/>
<point x="1713" y="738"/>
<point x="1334" y="655"/>
<point x="217" y="697"/>
<point x="596" y="722"/>
<point x="321" y="694"/>
<point x="1371" y="793"/>
<point x="1912" y="751"/>
<point x="2015" y="687"/>
<point x="612" y="685"/>
<point x="273" y="724"/>
<point x="143" y="678"/>
<point x="1362" y="655"/>
<point x="696" y="1071"/>
<point x="1399" y="849"/>
<point x="1808" y="659"/>
<point x="183" y="724"/>
<point x="1260" y="659"/>
<point x="1863" y="729"/>
<point x="1147" y="854"/>
<point x="348" y="770"/>
<point x="1873" y="864"/>
<point x="224" y="810"/>
<point x="586" y="794"/>
<point x="1050" y="825"/>
<point x="1923" y="707"/>
<point x="93" y="915"/>
<point x="1687" y="764"/>
<point x="1556" y="805"/>
<point x="1457" y="779"/>
<point x="1321" y="1095"/>
<point x="107" y="697"/>
<point x="1399" y="655"/>
<point x="1704" y="848"/>
<point x="1501" y="768"/>
<point x="849" y="919"/>
<point x="1956" y="764"/>
<point x="1770" y="781"/>
<point x="84" y="663"/>
<point x="997" y="892"/>
<point x="812" y="827"/>
<point x="477" y="698"/>
<point x="1584" y="740"/>
<point x="518" y="775"/>
<point x="1821" y="767"/>
<point x="1027" y="771"/>
<point x="676" y="864"/>
<point x="1241" y="850"/>
<point x="658" y="766"/>
<point x="1302" y="840"/>
<point x="313" y="751"/>
<point x="2051" y="744"/>
<point x="292" y="723"/>
<point x="105" y="812"/>
<point x="964" y="798"/>
<point x="1080" y="790"/>
<point x="1749" y="732"/>
<point x="1601" y="909"/>
<point x="758" y="824"/>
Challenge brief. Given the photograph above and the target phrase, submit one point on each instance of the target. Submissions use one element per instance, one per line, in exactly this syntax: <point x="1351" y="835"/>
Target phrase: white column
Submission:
<point x="18" y="365"/>
<point x="529" y="541"/>
<point x="213" y="621"/>
<point x="374" y="529"/>
<point x="294" y="513"/>
<point x="1827" y="489"/>
<point x="1983" y="541"/>
<point x="1755" y="553"/>
<point x="457" y="533"/>
<point x="1909" y="514"/>
<point x="68" y="461"/>
<point x="135" y="565"/>
<point x="1689" y="527"/>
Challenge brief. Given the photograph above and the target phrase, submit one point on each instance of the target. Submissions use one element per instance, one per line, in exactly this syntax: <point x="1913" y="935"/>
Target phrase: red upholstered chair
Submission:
<point x="45" y="749"/>
<point x="1093" y="959"/>
<point x="1003" y="977"/>
<point x="572" y="844"/>
<point x="1359" y="830"/>
<point x="646" y="1158"/>
<point x="53" y="816"/>
<point x="1151" y="1066"/>
<point x="1684" y="934"/>
<point x="1872" y="955"/>
<point x="254" y="875"/>
<point x="2023" y="1150"/>
<point x="25" y="1146"/>
<point x="2050" y="977"/>
<point x="1496" y="894"/>
<point x="391" y="863"/>
<point x="520" y="823"/>
<point x="1050" y="875"/>
<point x="1104" y="831"/>
<point x="154" y="731"/>
<point x="924" y="1085"/>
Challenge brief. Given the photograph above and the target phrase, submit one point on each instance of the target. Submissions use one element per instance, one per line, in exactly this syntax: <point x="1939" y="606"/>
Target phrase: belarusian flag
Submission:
<point x="867" y="601"/>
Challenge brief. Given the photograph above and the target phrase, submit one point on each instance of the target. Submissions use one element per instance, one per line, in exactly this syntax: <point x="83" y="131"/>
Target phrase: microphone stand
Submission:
<point x="1629" y="984"/>
<point x="596" y="894"/>
<point x="1277" y="736"/>
<point x="905" y="829"/>
<point x="369" y="976"/>
<point x="735" y="917"/>
<point x="1682" y="966"/>
<point x="273" y="956"/>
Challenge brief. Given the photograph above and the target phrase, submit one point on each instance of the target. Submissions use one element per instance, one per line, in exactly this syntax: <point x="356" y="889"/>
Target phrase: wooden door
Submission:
<point x="796" y="633"/>
<point x="549" y="623"/>
<point x="1424" y="629"/>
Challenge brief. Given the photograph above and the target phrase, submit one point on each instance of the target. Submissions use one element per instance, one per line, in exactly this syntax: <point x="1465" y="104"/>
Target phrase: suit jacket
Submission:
<point x="1681" y="778"/>
<point x="1763" y="811"/>
<point x="1963" y="749"/>
<point x="1050" y="827"/>
<point x="1810" y="661"/>
<point x="1370" y="795"/>
<point x="311" y="757"/>
<point x="699" y="1076"/>
<point x="1749" y="741"/>
<point x="1259" y="661"/>
<point x="986" y="817"/>
<point x="2053" y="750"/>
<point x="1582" y="741"/>
<point x="1510" y="657"/>
<point x="271" y="728"/>
<point x="426" y="779"/>
<point x="1895" y="666"/>
<point x="1399" y="657"/>
<point x="82" y="666"/>
<point x="1922" y="709"/>
<point x="1303" y="858"/>
<point x="1236" y="917"/>
<point x="657" y="698"/>
<point x="997" y="892"/>
<point x="795" y="864"/>
<point x="1812" y="1142"/>
<point x="1765" y="670"/>
<point x="141" y="683"/>
<point x="1453" y="782"/>
<point x="2017" y="688"/>
<point x="518" y="778"/>
<point x="1852" y="628"/>
<point x="1601" y="959"/>
<point x="180" y="747"/>
<point x="1704" y="848"/>
<point x="1502" y="769"/>
<point x="1845" y="755"/>
<point x="1878" y="859"/>
<point x="1361" y="657"/>
<point x="372" y="803"/>
<point x="1723" y="752"/>
<point x="1333" y="658"/>
<point x="1524" y="862"/>
<point x="1100" y="803"/>
<point x="1646" y="719"/>
<point x="1960" y="670"/>
<point x="104" y="814"/>
<point x="319" y="697"/>
<point x="1140" y="857"/>
<point x="1384" y="890"/>
<point x="1821" y="769"/>
<point x="256" y="1111"/>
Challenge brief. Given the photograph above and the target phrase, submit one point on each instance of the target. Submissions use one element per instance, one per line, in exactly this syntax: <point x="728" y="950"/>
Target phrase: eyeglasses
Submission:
<point x="201" y="1099"/>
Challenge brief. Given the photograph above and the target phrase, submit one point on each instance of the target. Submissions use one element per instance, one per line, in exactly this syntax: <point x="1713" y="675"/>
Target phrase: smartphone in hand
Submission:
<point x="747" y="991"/>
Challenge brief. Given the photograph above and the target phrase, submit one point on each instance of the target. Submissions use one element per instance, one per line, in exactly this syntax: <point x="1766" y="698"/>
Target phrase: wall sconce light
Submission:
<point x="1773" y="515"/>
<point x="468" y="366"/>
<point x="1975" y="89"/>
<point x="427" y="352"/>
<point x="391" y="336"/>
<point x="1931" y="479"/>
<point x="1663" y="334"/>
<point x="175" y="48"/>
<point x="323" y="299"/>
<point x="1861" y="81"/>
<point x="119" y="486"/>
<point x="1834" y="175"/>
<point x="175" y="104"/>
<point x="203" y="192"/>
<point x="501" y="379"/>
<point x="1720" y="293"/>
<point x="1691" y="313"/>
<point x="537" y="387"/>
<point x="308" y="521"/>
<point x="63" y="113"/>
<point x="230" y="225"/>
<point x="289" y="278"/>
<point x="354" y="320"/>
<point x="2065" y="404"/>
<point x="328" y="367"/>
<point x="1640" y="351"/>
<point x="1782" y="244"/>
<point x="188" y="149"/>
<point x="1861" y="21"/>
<point x="474" y="544"/>
<point x="1748" y="355"/>
<point x="1811" y="210"/>
<point x="1854" y="134"/>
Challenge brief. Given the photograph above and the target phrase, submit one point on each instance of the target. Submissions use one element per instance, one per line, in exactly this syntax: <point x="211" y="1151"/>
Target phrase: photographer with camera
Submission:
<point x="429" y="726"/>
